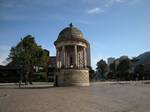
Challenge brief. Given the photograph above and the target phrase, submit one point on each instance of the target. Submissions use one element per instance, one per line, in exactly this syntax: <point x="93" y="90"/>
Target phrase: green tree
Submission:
<point x="112" y="71"/>
<point x="102" y="68"/>
<point x="27" y="54"/>
<point x="147" y="70"/>
<point x="139" y="71"/>
<point x="91" y="73"/>
<point x="124" y="69"/>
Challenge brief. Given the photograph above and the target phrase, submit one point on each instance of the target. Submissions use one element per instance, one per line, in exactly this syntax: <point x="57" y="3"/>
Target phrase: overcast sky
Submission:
<point x="113" y="27"/>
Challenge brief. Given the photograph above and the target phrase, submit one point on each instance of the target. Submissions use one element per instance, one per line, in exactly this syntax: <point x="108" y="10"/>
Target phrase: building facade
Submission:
<point x="110" y="60"/>
<point x="72" y="58"/>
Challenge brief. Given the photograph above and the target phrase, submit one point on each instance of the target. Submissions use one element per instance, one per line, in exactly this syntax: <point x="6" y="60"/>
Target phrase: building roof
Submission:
<point x="70" y="33"/>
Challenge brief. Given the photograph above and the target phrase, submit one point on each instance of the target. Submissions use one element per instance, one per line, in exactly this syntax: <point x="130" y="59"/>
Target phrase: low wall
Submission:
<point x="72" y="77"/>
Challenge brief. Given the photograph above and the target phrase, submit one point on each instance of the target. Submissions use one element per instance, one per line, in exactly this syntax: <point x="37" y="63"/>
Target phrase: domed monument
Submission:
<point x="72" y="57"/>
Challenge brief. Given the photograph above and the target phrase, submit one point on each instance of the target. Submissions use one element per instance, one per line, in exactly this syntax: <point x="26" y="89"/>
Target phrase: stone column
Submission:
<point x="63" y="56"/>
<point x="75" y="59"/>
<point x="88" y="55"/>
<point x="66" y="58"/>
<point x="85" y="56"/>
<point x="66" y="65"/>
<point x="57" y="60"/>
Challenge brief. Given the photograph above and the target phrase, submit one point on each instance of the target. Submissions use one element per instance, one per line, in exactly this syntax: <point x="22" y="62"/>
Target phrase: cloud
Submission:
<point x="4" y="49"/>
<point x="109" y="3"/>
<point x="95" y="10"/>
<point x="3" y="59"/>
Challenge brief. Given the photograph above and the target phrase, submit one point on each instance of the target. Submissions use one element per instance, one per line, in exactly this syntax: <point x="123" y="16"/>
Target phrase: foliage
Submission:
<point x="27" y="54"/>
<point x="102" y="68"/>
<point x="139" y="71"/>
<point x="124" y="69"/>
<point x="91" y="73"/>
<point x="112" y="67"/>
<point x="40" y="76"/>
<point x="112" y="71"/>
<point x="147" y="70"/>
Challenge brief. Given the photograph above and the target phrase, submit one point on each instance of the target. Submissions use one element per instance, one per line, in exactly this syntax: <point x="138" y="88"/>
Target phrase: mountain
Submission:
<point x="143" y="58"/>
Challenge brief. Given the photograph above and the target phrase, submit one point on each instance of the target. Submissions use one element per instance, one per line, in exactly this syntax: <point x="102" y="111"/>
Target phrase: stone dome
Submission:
<point x="70" y="33"/>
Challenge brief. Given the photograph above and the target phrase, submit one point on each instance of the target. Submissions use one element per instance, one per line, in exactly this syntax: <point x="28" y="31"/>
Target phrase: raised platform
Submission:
<point x="72" y="77"/>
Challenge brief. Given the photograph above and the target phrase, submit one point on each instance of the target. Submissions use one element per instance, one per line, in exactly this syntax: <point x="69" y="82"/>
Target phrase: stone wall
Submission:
<point x="72" y="77"/>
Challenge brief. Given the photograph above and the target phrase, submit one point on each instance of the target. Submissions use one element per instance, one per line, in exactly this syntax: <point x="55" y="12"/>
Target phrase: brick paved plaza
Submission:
<point x="96" y="98"/>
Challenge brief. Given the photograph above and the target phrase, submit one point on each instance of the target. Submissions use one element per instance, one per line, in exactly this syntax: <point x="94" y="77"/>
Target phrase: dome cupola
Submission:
<point x="70" y="33"/>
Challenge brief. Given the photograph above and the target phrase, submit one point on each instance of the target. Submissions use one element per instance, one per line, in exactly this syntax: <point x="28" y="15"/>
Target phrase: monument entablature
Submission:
<point x="67" y="43"/>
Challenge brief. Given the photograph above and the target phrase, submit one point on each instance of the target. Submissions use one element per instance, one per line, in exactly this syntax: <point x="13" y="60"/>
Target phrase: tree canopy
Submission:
<point x="27" y="54"/>
<point x="124" y="68"/>
<point x="102" y="68"/>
